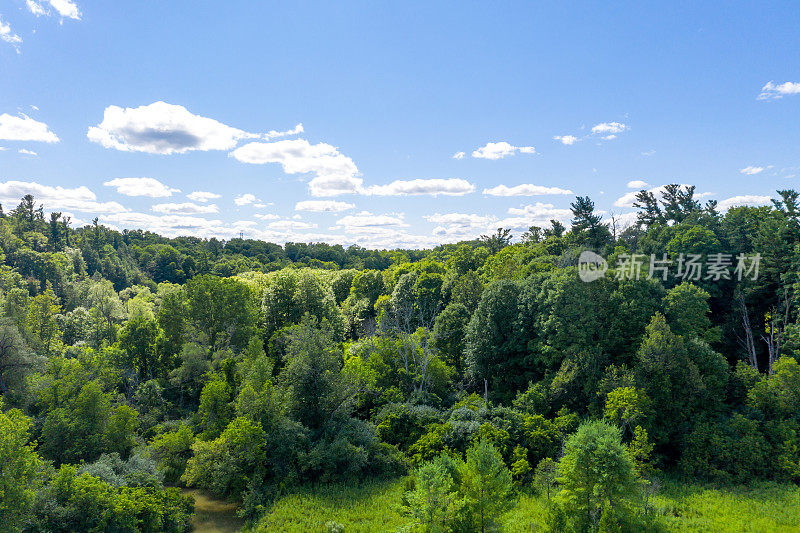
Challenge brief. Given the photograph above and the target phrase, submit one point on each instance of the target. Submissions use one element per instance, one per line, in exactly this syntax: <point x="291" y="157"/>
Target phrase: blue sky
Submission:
<point x="422" y="123"/>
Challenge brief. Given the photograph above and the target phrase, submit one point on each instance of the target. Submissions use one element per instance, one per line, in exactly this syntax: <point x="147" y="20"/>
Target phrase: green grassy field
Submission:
<point x="374" y="507"/>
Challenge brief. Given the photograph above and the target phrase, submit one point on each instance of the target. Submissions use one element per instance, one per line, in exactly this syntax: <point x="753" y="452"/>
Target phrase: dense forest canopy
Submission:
<point x="131" y="364"/>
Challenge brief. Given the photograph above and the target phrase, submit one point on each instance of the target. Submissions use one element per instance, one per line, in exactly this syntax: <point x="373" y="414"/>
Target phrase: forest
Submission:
<point x="477" y="386"/>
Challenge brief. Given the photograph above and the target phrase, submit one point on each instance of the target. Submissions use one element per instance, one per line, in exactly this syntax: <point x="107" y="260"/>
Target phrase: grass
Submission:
<point x="375" y="507"/>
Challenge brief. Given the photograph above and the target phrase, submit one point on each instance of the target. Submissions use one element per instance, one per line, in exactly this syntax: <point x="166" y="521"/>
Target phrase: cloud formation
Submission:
<point x="150" y="187"/>
<point x="773" y="91"/>
<point x="162" y="128"/>
<point x="501" y="149"/>
<point x="321" y="206"/>
<point x="637" y="184"/>
<point x="747" y="199"/>
<point x="64" y="8"/>
<point x="76" y="199"/>
<point x="245" y="199"/>
<point x="432" y="187"/>
<point x="751" y="170"/>
<point x="525" y="189"/>
<point x="569" y="140"/>
<point x="186" y="208"/>
<point x="203" y="196"/>
<point x="24" y="128"/>
<point x="334" y="173"/>
<point x="8" y="36"/>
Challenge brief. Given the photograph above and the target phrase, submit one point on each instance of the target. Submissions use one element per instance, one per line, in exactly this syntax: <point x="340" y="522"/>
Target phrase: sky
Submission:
<point x="390" y="124"/>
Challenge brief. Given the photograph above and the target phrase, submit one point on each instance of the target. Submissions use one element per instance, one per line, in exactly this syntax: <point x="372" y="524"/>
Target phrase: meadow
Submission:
<point x="376" y="506"/>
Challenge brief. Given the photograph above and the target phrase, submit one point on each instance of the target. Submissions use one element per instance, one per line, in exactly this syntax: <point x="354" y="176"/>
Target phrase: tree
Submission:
<point x="544" y="477"/>
<point x="435" y="498"/>
<point x="498" y="240"/>
<point x="686" y="308"/>
<point x="222" y="311"/>
<point x="596" y="471"/>
<point x="139" y="339"/>
<point x="587" y="227"/>
<point x="20" y="469"/>
<point x="42" y="322"/>
<point x="215" y="408"/>
<point x="486" y="484"/>
<point x="15" y="359"/>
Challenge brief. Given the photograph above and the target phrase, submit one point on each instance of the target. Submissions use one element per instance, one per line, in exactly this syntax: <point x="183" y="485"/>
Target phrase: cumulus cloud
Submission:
<point x="24" y="128"/>
<point x="609" y="129"/>
<point x="501" y="149"/>
<point x="203" y="196"/>
<point x="334" y="173"/>
<point x="433" y="187"/>
<point x="76" y="199"/>
<point x="186" y="208"/>
<point x="267" y="216"/>
<point x="458" y="226"/>
<point x="323" y="206"/>
<point x="525" y="189"/>
<point x="9" y="36"/>
<point x="774" y="91"/>
<point x="751" y="170"/>
<point x="290" y="225"/>
<point x="637" y="184"/>
<point x="538" y="214"/>
<point x="459" y="155"/>
<point x="245" y="199"/>
<point x="569" y="140"/>
<point x="25" y="151"/>
<point x="747" y="199"/>
<point x="162" y="128"/>
<point x="64" y="8"/>
<point x="141" y="187"/>
<point x="365" y="221"/>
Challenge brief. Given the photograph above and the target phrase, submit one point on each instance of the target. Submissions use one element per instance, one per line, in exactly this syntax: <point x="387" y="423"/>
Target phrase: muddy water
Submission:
<point x="212" y="515"/>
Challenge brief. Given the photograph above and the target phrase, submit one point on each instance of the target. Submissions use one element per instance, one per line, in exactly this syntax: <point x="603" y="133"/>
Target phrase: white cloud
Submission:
<point x="747" y="199"/>
<point x="501" y="149"/>
<point x="569" y="140"/>
<point x="290" y="225"/>
<point x="141" y="187"/>
<point x="774" y="91"/>
<point x="186" y="208"/>
<point x="525" y="189"/>
<point x="433" y="187"/>
<point x="637" y="184"/>
<point x="366" y="221"/>
<point x="538" y="214"/>
<point x="245" y="199"/>
<point x="323" y="206"/>
<point x="648" y="153"/>
<point x="606" y="128"/>
<point x="9" y="36"/>
<point x="203" y="196"/>
<point x="77" y="199"/>
<point x="460" y="219"/>
<point x="162" y="128"/>
<point x="25" y="151"/>
<point x="272" y="134"/>
<point x="751" y="170"/>
<point x="268" y="216"/>
<point x="334" y="173"/>
<point x="260" y="205"/>
<point x="459" y="155"/>
<point x="64" y="8"/>
<point x="24" y="128"/>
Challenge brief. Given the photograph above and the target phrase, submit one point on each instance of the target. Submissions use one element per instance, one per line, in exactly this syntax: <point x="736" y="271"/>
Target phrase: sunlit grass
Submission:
<point x="375" y="507"/>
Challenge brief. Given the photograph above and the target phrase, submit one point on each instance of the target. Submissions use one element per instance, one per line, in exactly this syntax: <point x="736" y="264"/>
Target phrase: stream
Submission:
<point x="212" y="515"/>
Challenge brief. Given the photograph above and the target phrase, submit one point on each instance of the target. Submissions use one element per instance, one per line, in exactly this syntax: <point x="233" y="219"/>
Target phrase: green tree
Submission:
<point x="486" y="484"/>
<point x="435" y="499"/>
<point x="139" y="339"/>
<point x="20" y="470"/>
<point x="596" y="471"/>
<point x="42" y="323"/>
